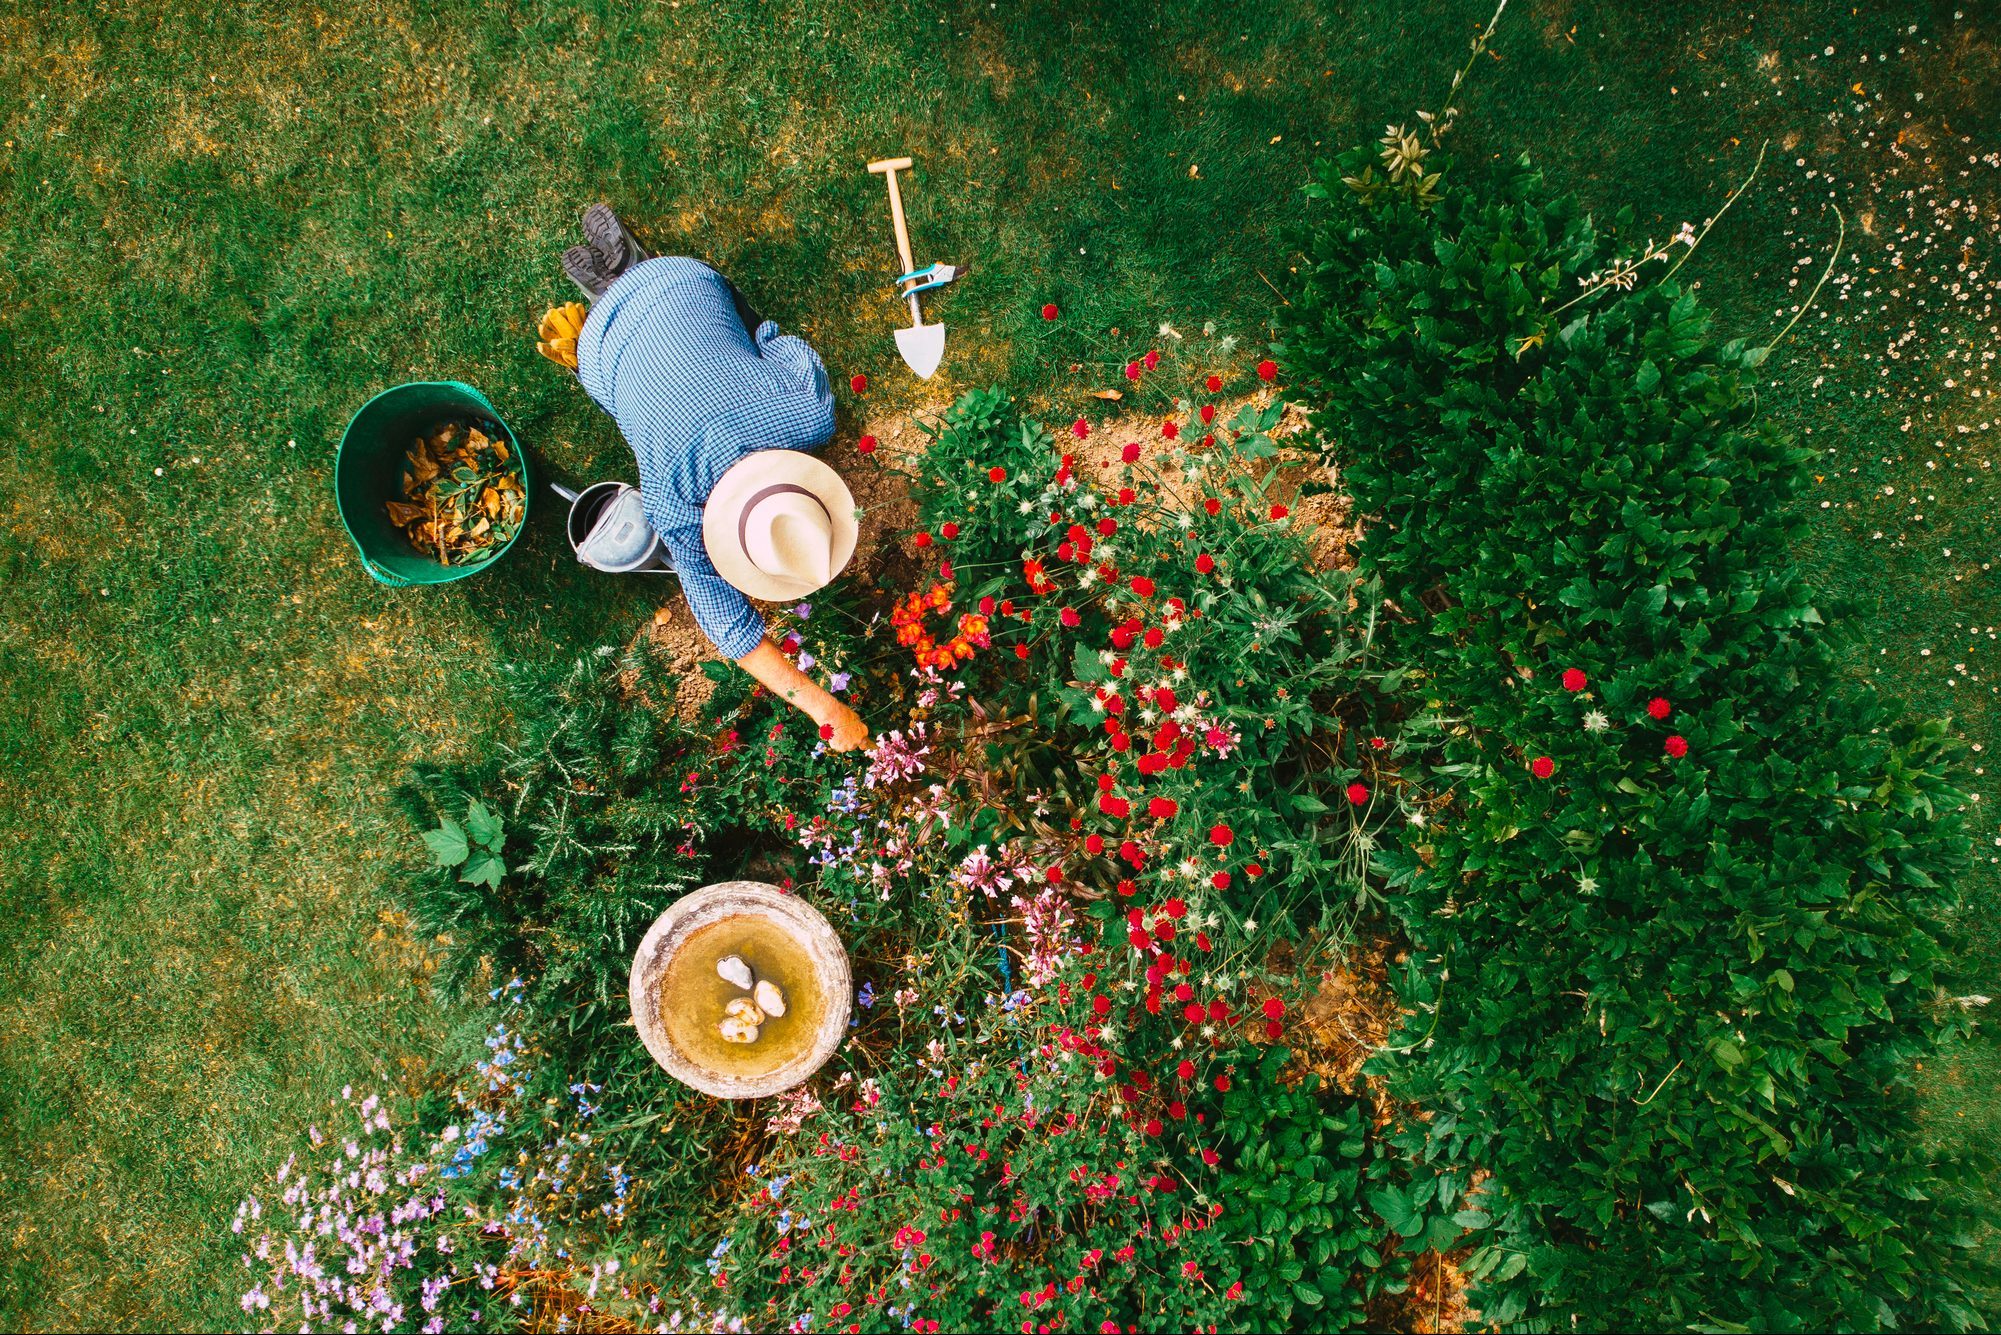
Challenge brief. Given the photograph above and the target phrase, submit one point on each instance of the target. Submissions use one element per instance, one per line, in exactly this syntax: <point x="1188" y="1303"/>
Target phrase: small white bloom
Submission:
<point x="1595" y="721"/>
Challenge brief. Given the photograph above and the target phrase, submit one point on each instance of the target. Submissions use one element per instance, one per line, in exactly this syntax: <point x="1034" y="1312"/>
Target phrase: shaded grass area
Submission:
<point x="226" y="233"/>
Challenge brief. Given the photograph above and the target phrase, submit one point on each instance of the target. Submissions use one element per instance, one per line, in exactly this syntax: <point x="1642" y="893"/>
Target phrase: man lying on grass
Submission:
<point x="719" y="408"/>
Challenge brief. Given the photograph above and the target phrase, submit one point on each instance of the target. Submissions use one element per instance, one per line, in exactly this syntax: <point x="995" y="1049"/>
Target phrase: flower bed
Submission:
<point x="1117" y="825"/>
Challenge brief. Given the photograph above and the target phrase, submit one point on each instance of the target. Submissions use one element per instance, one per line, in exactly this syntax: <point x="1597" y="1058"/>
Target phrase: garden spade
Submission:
<point x="922" y="345"/>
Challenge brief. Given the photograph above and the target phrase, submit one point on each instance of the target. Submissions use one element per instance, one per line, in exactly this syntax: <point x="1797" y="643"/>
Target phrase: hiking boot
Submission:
<point x="587" y="271"/>
<point x="616" y="247"/>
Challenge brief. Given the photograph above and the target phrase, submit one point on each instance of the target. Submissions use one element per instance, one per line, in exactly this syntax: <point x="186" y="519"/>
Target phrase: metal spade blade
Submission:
<point x="922" y="346"/>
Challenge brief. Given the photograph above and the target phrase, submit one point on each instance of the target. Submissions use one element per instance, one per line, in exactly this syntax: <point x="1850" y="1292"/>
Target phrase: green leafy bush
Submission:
<point x="1677" y="928"/>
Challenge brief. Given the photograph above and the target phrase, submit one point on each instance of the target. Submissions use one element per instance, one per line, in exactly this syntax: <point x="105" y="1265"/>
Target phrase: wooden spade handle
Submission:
<point x="887" y="168"/>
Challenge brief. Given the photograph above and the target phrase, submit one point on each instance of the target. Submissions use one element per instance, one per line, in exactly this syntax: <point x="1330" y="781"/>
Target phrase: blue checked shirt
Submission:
<point x="664" y="353"/>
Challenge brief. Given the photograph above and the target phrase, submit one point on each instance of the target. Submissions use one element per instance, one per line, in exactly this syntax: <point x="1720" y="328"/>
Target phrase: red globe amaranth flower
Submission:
<point x="1273" y="1029"/>
<point x="1208" y="416"/>
<point x="866" y="444"/>
<point x="922" y="539"/>
<point x="1132" y="371"/>
<point x="987" y="606"/>
<point x="1573" y="679"/>
<point x="1267" y="370"/>
<point x="1212" y="506"/>
<point x="1659" y="708"/>
<point x="949" y="529"/>
<point x="1021" y="651"/>
<point x="1213" y="384"/>
<point x="1221" y="880"/>
<point x="826" y="732"/>
<point x="1049" y="312"/>
<point x="1094" y="844"/>
<point x="1279" y="512"/>
<point x="996" y="474"/>
<point x="1253" y="870"/>
<point x="1222" y="1084"/>
<point x="1273" y="1008"/>
<point x="1205" y="563"/>
<point x="1130" y="453"/>
<point x="1222" y="836"/>
<point x="858" y="383"/>
<point x="1101" y="1005"/>
<point x="1358" y="793"/>
<point x="1162" y="808"/>
<point x="1152" y="359"/>
<point x="1170" y="429"/>
<point x="1677" y="747"/>
<point x="1069" y="617"/>
<point x="1542" y="767"/>
<point x="1152" y="1127"/>
<point x="1080" y="428"/>
<point x="1142" y="586"/>
<point x="1186" y="1070"/>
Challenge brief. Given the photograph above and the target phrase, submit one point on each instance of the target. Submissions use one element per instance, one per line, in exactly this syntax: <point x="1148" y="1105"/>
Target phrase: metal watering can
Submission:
<point x="608" y="530"/>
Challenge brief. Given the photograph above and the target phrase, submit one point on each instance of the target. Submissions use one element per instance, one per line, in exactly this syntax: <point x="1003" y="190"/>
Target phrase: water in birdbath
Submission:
<point x="693" y="995"/>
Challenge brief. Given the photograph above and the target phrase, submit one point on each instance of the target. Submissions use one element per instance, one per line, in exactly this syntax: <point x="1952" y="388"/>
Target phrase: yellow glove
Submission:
<point x="556" y="335"/>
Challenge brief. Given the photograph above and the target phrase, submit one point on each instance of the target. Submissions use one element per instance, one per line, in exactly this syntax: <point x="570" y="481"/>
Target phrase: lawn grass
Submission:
<point x="225" y="233"/>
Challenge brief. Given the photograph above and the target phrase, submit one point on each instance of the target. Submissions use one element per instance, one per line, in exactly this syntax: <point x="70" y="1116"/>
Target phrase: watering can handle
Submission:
<point x="564" y="492"/>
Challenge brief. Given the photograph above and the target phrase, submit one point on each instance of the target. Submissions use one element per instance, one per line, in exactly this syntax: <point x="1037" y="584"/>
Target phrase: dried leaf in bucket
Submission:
<point x="462" y="495"/>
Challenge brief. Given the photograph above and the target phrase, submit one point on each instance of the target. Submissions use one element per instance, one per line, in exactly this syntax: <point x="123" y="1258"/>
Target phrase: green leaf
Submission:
<point x="447" y="843"/>
<point x="1307" y="1294"/>
<point x="483" y="823"/>
<point x="483" y="868"/>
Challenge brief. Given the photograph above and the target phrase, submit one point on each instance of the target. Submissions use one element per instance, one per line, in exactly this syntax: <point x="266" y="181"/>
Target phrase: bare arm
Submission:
<point x="779" y="676"/>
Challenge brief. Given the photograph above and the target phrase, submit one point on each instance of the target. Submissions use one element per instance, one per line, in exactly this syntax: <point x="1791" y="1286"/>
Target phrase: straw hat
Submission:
<point x="779" y="524"/>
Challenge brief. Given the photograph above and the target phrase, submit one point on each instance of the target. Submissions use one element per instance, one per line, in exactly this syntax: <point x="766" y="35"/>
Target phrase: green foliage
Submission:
<point x="473" y="848"/>
<point x="1672" y="1001"/>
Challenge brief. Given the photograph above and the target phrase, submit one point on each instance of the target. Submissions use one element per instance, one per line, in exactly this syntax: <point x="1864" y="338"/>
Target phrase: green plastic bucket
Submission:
<point x="368" y="473"/>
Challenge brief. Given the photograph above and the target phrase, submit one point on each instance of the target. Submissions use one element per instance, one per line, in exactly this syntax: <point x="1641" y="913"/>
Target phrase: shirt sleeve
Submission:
<point x="721" y="609"/>
<point x="796" y="356"/>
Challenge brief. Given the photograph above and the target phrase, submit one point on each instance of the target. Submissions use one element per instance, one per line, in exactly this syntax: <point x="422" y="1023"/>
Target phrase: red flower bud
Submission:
<point x="1573" y="679"/>
<point x="1279" y="512"/>
<point x="1659" y="708"/>
<point x="826" y="732"/>
<point x="1049" y="312"/>
<point x="1068" y="616"/>
<point x="866" y="444"/>
<point x="1222" y="836"/>
<point x="1214" y="384"/>
<point x="1358" y="793"/>
<point x="1080" y="428"/>
<point x="1208" y="411"/>
<point x="1170" y="429"/>
<point x="1273" y="1008"/>
<point x="858" y="383"/>
<point x="996" y="474"/>
<point x="1205" y="563"/>
<point x="1677" y="747"/>
<point x="1132" y="370"/>
<point x="1267" y="370"/>
<point x="949" y="529"/>
<point x="1542" y="767"/>
<point x="1130" y="452"/>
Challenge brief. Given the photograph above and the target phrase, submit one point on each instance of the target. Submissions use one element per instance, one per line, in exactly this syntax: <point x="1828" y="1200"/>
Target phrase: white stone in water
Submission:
<point x="732" y="969"/>
<point x="744" y="1009"/>
<point x="734" y="1030"/>
<point x="769" y="999"/>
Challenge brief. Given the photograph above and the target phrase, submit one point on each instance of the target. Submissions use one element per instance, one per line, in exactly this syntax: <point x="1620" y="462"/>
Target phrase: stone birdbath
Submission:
<point x="741" y="990"/>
